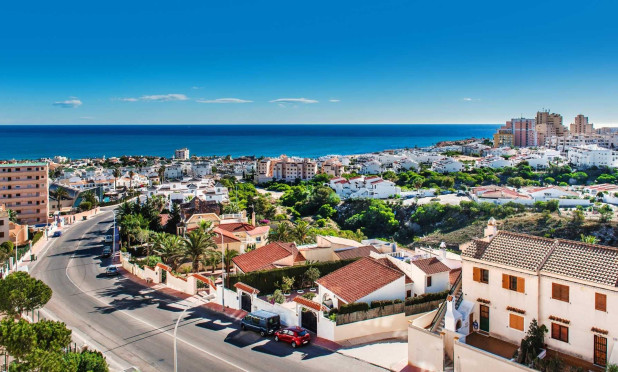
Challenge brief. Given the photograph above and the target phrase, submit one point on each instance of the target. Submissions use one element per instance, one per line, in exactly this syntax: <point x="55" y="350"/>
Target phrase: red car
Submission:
<point x="297" y="336"/>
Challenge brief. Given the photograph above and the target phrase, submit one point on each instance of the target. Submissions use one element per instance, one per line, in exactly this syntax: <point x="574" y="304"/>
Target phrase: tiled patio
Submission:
<point x="491" y="345"/>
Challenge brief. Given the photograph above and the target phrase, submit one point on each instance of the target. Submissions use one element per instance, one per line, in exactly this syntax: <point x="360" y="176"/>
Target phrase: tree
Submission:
<point x="61" y="192"/>
<point x="195" y="246"/>
<point x="532" y="344"/>
<point x="578" y="217"/>
<point x="131" y="174"/>
<point x="90" y="197"/>
<point x="590" y="239"/>
<point x="169" y="247"/>
<point x="212" y="258"/>
<point x="88" y="361"/>
<point x="130" y="226"/>
<point x="282" y="233"/>
<point x="117" y="173"/>
<point x="302" y="233"/>
<point x="516" y="181"/>
<point x="606" y="213"/>
<point x="6" y="250"/>
<point x="20" y="292"/>
<point x="227" y="259"/>
<point x="161" y="173"/>
<point x="12" y="215"/>
<point x="326" y="211"/>
<point x="311" y="275"/>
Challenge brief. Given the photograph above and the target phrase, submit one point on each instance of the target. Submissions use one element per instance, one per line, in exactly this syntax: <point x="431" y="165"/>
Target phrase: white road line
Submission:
<point x="138" y="319"/>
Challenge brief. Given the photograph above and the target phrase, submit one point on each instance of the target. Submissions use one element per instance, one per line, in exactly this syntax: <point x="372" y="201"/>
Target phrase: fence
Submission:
<point x="387" y="310"/>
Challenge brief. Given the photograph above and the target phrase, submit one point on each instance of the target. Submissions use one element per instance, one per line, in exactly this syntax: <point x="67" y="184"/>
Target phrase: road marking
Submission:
<point x="136" y="318"/>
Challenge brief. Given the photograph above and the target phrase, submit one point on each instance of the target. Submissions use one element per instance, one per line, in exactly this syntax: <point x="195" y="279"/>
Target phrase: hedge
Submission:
<point x="265" y="280"/>
<point x="353" y="307"/>
<point x="382" y="303"/>
<point x="36" y="237"/>
<point x="427" y="297"/>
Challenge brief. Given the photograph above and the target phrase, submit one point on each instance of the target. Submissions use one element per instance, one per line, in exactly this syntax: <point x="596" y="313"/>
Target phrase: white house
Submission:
<point x="371" y="167"/>
<point x="447" y="165"/>
<point x="173" y="171"/>
<point x="364" y="280"/>
<point x="201" y="169"/>
<point x="364" y="187"/>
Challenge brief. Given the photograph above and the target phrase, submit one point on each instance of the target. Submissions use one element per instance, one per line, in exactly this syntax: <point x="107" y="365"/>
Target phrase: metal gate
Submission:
<point x="245" y="301"/>
<point x="309" y="320"/>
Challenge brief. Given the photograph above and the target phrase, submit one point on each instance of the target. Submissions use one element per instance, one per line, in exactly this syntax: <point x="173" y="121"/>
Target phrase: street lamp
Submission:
<point x="114" y="236"/>
<point x="175" y="330"/>
<point x="222" y="273"/>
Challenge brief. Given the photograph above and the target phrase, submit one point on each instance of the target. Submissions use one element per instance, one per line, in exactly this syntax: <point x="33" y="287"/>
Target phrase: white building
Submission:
<point x="592" y="155"/>
<point x="181" y="154"/>
<point x="447" y="165"/>
<point x="371" y="167"/>
<point x="173" y="172"/>
<point x="201" y="169"/>
<point x="364" y="187"/>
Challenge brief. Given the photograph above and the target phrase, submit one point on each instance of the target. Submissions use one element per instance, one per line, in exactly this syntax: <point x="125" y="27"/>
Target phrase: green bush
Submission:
<point x="382" y="303"/>
<point x="353" y="307"/>
<point x="36" y="237"/>
<point x="265" y="280"/>
<point x="426" y="298"/>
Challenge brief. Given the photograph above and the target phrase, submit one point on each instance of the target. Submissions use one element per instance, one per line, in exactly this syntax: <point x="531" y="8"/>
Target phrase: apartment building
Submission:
<point x="24" y="188"/>
<point x="564" y="143"/>
<point x="581" y="126"/>
<point x="517" y="132"/>
<point x="285" y="169"/>
<point x="592" y="155"/>
<point x="4" y="224"/>
<point x="547" y="125"/>
<point x="571" y="287"/>
<point x="504" y="138"/>
<point x="181" y="154"/>
<point x="373" y="187"/>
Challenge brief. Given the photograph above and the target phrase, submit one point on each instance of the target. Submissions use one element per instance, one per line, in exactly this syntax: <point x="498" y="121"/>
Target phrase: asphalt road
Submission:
<point x="133" y="325"/>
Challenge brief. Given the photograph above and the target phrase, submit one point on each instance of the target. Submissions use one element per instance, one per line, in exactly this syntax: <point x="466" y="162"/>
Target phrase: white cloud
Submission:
<point x="468" y="99"/>
<point x="293" y="100"/>
<point x="86" y="117"/>
<point x="224" y="100"/>
<point x="69" y="103"/>
<point x="165" y="97"/>
<point x="196" y="87"/>
<point x="156" y="98"/>
<point x="334" y="100"/>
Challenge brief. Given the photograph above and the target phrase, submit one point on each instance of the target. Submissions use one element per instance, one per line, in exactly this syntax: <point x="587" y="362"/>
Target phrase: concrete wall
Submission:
<point x="151" y="274"/>
<point x="426" y="350"/>
<point x="231" y="298"/>
<point x="176" y="283"/>
<point x="471" y="359"/>
<point x="288" y="316"/>
<point x="374" y="326"/>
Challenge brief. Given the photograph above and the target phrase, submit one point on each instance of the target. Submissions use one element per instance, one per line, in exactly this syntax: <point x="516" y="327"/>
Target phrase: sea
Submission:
<point x="304" y="140"/>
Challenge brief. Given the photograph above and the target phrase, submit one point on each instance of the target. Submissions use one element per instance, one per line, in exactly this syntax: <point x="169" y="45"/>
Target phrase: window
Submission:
<point x="513" y="283"/>
<point x="480" y="275"/>
<point x="560" y="292"/>
<point x="428" y="281"/>
<point x="600" y="302"/>
<point x="559" y="332"/>
<point x="408" y="293"/>
<point x="516" y="322"/>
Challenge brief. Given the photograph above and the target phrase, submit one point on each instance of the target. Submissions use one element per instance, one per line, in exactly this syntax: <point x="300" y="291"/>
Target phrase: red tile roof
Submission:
<point x="453" y="275"/>
<point x="263" y="258"/>
<point x="308" y="303"/>
<point x="355" y="252"/>
<point x="236" y="227"/>
<point x="228" y="237"/>
<point x="358" y="279"/>
<point x="246" y="288"/>
<point x="431" y="265"/>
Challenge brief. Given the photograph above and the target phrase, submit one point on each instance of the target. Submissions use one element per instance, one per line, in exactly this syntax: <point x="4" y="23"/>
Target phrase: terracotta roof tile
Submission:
<point x="263" y="258"/>
<point x="236" y="227"/>
<point x="453" y="275"/>
<point x="355" y="252"/>
<point x="246" y="288"/>
<point x="308" y="303"/>
<point x="358" y="279"/>
<point x="431" y="265"/>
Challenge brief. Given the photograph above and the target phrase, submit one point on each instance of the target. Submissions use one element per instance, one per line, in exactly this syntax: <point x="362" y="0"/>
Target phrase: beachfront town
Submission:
<point x="495" y="254"/>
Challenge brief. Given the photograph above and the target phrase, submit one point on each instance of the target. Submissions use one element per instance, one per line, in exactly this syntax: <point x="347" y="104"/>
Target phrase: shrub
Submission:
<point x="426" y="298"/>
<point x="37" y="237"/>
<point x="309" y="295"/>
<point x="353" y="307"/>
<point x="85" y="206"/>
<point x="265" y="280"/>
<point x="7" y="246"/>
<point x="277" y="297"/>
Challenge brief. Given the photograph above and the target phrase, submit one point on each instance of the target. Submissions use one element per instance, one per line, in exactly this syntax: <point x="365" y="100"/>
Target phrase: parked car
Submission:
<point x="111" y="271"/>
<point x="107" y="252"/>
<point x="296" y="336"/>
<point x="57" y="234"/>
<point x="264" y="322"/>
<point x="108" y="238"/>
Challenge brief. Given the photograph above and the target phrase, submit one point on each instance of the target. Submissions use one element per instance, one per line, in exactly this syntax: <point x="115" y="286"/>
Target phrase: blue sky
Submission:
<point x="306" y="62"/>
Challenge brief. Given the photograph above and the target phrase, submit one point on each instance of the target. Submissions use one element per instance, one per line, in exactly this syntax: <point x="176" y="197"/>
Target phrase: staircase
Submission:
<point x="437" y="324"/>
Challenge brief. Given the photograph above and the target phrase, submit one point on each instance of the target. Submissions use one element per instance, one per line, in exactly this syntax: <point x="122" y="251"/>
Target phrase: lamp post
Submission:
<point x="175" y="330"/>
<point x="222" y="274"/>
<point x="114" y="236"/>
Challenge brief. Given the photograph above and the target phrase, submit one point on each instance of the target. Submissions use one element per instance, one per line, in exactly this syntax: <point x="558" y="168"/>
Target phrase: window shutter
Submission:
<point x="521" y="285"/>
<point x="554" y="291"/>
<point x="505" y="281"/>
<point x="600" y="301"/>
<point x="476" y="274"/>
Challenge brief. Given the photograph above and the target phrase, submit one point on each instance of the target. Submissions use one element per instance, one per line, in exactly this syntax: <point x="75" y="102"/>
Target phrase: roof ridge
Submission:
<point x="398" y="271"/>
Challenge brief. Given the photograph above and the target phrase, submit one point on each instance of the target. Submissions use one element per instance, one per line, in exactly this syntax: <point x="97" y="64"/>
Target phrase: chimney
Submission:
<point x="492" y="229"/>
<point x="253" y="218"/>
<point x="443" y="249"/>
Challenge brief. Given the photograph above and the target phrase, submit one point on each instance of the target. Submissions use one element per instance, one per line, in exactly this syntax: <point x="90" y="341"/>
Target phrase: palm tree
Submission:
<point x="195" y="246"/>
<point x="131" y="174"/>
<point x="590" y="239"/>
<point x="212" y="258"/>
<point x="169" y="247"/>
<point x="302" y="233"/>
<point x="90" y="198"/>
<point x="117" y="173"/>
<point x="143" y="236"/>
<point x="227" y="259"/>
<point x="61" y="192"/>
<point x="130" y="226"/>
<point x="282" y="233"/>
